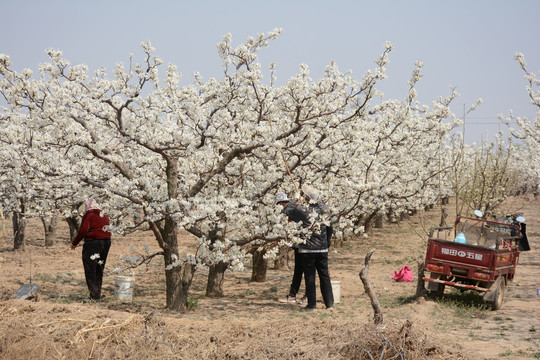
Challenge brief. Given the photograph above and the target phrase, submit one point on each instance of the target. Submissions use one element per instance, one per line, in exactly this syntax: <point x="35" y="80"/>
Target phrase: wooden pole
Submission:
<point x="289" y="171"/>
<point x="378" y="316"/>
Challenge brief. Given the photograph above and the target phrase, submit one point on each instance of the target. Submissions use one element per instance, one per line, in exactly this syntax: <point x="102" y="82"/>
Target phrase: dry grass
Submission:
<point x="47" y="331"/>
<point x="248" y="322"/>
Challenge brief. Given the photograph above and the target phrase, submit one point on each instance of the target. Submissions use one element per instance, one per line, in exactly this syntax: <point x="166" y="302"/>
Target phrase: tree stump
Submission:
<point x="378" y="316"/>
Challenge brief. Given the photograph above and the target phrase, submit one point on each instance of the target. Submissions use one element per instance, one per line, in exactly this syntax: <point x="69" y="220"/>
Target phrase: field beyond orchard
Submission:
<point x="249" y="322"/>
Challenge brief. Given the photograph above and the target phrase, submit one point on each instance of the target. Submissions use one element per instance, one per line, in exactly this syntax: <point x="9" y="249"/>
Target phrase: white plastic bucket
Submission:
<point x="336" y="289"/>
<point x="123" y="288"/>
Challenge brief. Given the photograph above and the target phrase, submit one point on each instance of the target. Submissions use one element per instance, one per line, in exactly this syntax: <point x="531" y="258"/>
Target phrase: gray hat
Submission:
<point x="281" y="198"/>
<point x="311" y="192"/>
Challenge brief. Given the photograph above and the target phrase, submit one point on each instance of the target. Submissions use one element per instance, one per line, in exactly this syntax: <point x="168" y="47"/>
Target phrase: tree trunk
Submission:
<point x="3" y="228"/>
<point x="392" y="218"/>
<point x="379" y="221"/>
<point x="420" y="287"/>
<point x="258" y="273"/>
<point x="337" y="243"/>
<point x="444" y="215"/>
<point x="178" y="275"/>
<point x="282" y="259"/>
<point x="19" y="227"/>
<point x="368" y="224"/>
<point x="368" y="221"/>
<point x="74" y="223"/>
<point x="378" y="316"/>
<point x="50" y="229"/>
<point x="188" y="271"/>
<point x="216" y="273"/>
<point x="216" y="278"/>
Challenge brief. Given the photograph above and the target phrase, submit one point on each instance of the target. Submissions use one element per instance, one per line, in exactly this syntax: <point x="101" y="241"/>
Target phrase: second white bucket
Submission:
<point x="336" y="289"/>
<point x="123" y="288"/>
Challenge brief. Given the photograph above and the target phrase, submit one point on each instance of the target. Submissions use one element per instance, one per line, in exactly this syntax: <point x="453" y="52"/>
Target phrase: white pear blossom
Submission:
<point x="209" y="157"/>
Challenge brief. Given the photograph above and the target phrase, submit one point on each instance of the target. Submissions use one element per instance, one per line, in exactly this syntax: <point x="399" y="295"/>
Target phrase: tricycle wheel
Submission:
<point x="439" y="291"/>
<point x="499" y="295"/>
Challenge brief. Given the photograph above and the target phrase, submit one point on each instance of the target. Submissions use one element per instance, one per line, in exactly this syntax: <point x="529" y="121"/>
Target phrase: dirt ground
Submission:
<point x="249" y="322"/>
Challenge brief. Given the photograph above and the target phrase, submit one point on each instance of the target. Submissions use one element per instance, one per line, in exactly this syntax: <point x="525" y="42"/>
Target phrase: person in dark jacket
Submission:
<point x="314" y="252"/>
<point x="97" y="242"/>
<point x="298" y="271"/>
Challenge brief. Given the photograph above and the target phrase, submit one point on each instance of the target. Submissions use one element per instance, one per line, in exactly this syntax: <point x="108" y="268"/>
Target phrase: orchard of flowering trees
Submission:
<point x="528" y="130"/>
<point x="209" y="157"/>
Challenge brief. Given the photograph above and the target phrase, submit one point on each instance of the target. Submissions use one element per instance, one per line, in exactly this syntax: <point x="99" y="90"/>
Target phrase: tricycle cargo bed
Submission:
<point x="481" y="255"/>
<point x="459" y="253"/>
<point x="463" y="260"/>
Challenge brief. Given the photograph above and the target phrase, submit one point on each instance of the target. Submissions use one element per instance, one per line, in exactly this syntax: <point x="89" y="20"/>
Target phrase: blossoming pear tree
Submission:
<point x="210" y="157"/>
<point x="527" y="128"/>
<point x="486" y="182"/>
<point x="528" y="131"/>
<point x="31" y="184"/>
<point x="13" y="186"/>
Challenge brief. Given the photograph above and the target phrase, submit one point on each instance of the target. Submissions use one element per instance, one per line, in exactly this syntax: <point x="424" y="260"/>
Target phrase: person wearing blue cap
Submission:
<point x="283" y="200"/>
<point x="314" y="251"/>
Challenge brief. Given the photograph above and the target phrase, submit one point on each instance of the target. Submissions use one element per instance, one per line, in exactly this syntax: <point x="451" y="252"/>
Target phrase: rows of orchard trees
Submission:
<point x="209" y="157"/>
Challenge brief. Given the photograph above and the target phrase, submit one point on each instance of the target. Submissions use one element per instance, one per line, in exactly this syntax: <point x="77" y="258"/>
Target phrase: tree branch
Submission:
<point x="378" y="317"/>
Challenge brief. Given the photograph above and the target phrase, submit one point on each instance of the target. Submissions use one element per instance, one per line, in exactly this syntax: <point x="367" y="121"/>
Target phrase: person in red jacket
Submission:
<point x="97" y="242"/>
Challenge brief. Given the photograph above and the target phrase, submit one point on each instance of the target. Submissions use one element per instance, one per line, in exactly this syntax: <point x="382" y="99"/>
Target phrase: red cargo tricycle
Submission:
<point x="477" y="255"/>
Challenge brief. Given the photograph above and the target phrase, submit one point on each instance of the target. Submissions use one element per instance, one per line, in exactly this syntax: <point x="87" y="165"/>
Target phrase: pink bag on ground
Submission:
<point x="403" y="275"/>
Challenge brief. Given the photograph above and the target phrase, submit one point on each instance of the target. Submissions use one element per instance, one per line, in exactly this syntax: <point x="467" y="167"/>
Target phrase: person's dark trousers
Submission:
<point x="297" y="275"/>
<point x="93" y="268"/>
<point x="317" y="262"/>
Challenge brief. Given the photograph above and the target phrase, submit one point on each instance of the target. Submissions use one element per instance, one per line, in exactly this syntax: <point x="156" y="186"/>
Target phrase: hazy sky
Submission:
<point x="469" y="44"/>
